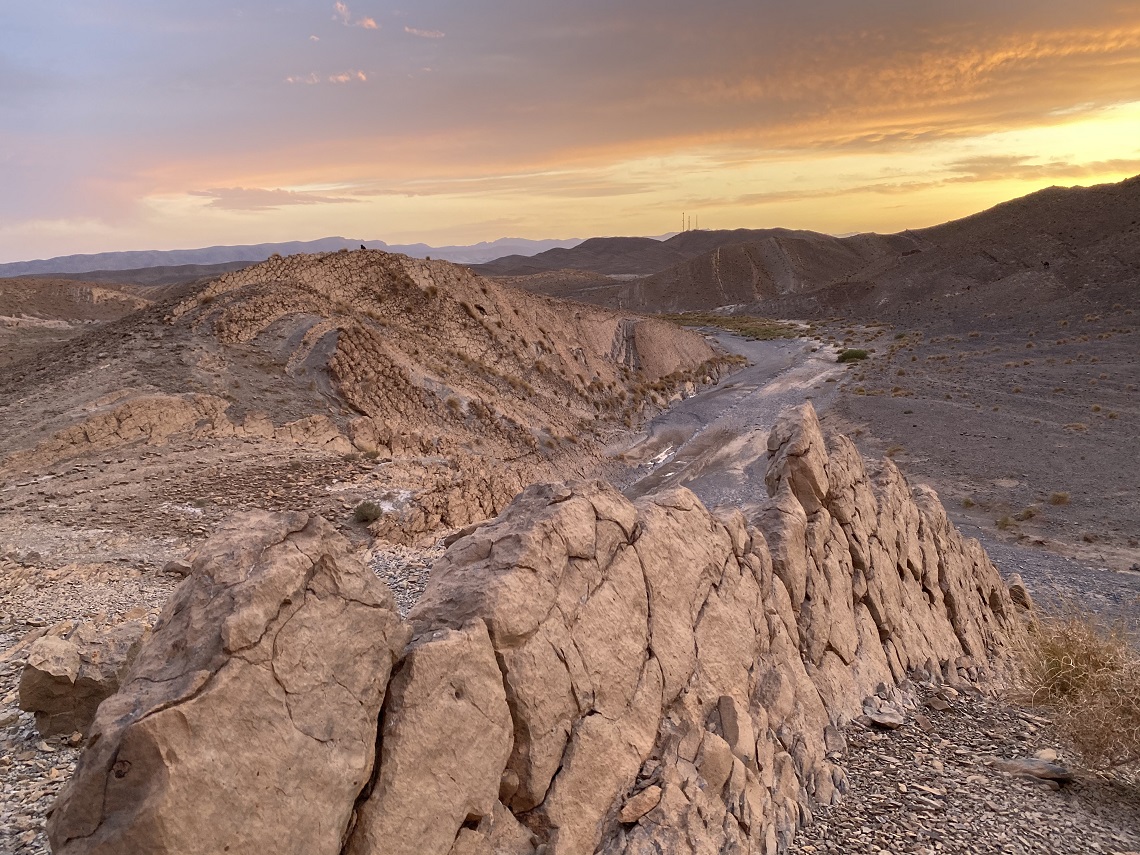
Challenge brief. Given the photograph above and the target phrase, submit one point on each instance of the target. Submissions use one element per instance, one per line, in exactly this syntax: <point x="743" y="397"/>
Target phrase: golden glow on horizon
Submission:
<point x="835" y="191"/>
<point x="901" y="122"/>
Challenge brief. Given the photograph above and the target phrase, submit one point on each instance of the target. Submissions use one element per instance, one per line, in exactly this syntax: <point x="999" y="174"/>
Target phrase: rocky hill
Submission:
<point x="469" y="388"/>
<point x="1054" y="252"/>
<point x="582" y="675"/>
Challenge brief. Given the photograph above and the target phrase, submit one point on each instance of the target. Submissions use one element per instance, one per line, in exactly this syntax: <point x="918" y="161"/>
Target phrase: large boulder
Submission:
<point x="69" y="672"/>
<point x="247" y="723"/>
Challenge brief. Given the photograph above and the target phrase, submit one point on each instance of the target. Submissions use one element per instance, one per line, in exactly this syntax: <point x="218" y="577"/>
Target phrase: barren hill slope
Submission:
<point x="1055" y="251"/>
<point x="1051" y="252"/>
<point x="470" y="388"/>
<point x="621" y="256"/>
<point x="39" y="311"/>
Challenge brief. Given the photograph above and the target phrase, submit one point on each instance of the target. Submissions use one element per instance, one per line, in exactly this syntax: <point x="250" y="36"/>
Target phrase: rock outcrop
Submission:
<point x="151" y="420"/>
<point x="247" y="722"/>
<point x="590" y="675"/>
<point x="72" y="669"/>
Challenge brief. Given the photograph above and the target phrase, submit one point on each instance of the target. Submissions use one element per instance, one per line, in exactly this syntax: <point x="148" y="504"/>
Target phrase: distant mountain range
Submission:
<point x="1058" y="251"/>
<point x="68" y="265"/>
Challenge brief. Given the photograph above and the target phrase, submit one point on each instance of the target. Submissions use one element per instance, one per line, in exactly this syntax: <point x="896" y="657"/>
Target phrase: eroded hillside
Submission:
<point x="329" y="380"/>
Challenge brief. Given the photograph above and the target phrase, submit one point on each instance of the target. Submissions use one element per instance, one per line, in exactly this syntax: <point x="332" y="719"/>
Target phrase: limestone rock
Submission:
<point x="247" y="722"/>
<point x="588" y="675"/>
<point x="799" y="456"/>
<point x="446" y="738"/>
<point x="640" y="804"/>
<point x="1032" y="767"/>
<point x="1019" y="593"/>
<point x="69" y="673"/>
<point x="178" y="567"/>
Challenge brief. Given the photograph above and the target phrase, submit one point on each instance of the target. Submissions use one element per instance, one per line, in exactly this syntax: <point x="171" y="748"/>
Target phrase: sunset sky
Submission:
<point x="160" y="125"/>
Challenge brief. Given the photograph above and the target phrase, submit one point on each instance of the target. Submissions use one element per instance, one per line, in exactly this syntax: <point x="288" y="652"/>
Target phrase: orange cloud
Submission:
<point x="342" y="13"/>
<point x="259" y="199"/>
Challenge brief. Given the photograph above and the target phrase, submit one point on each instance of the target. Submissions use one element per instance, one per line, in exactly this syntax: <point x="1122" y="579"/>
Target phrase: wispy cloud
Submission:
<point x="348" y="77"/>
<point x="342" y="13"/>
<point x="312" y="79"/>
<point x="260" y="199"/>
<point x="1003" y="167"/>
<point x="424" y="34"/>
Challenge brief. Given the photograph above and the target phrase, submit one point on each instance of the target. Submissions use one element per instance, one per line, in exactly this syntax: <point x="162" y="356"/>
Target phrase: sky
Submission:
<point x="162" y="125"/>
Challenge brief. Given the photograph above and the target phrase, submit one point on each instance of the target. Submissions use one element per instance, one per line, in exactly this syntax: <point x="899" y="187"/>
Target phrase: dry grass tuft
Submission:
<point x="1087" y="673"/>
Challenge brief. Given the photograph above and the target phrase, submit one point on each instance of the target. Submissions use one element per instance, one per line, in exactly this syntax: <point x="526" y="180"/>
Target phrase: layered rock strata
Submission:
<point x="590" y="675"/>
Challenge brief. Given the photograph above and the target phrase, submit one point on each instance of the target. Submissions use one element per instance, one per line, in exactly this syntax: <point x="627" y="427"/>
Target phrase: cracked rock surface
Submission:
<point x="585" y="674"/>
<point x="248" y="720"/>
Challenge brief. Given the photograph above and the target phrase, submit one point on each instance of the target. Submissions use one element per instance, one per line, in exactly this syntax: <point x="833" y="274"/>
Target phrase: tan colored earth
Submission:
<point x="405" y="400"/>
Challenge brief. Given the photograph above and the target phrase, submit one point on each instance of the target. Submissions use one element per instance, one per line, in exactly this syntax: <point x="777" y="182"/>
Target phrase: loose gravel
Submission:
<point x="932" y="786"/>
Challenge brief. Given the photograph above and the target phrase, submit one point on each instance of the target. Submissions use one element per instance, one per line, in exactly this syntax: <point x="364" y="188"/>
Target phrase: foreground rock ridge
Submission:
<point x="583" y="674"/>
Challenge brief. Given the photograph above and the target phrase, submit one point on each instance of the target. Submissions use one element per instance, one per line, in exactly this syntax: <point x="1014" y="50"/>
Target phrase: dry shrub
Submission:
<point x="1087" y="673"/>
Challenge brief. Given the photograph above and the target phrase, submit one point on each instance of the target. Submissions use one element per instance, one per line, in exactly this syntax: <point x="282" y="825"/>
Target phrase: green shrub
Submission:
<point x="367" y="512"/>
<point x="851" y="354"/>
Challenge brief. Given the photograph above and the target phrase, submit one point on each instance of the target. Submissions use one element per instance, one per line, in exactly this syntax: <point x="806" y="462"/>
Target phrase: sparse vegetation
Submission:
<point x="1004" y="523"/>
<point x="1087" y="673"/>
<point x="748" y="326"/>
<point x="367" y="512"/>
<point x="1059" y="499"/>
<point x="851" y="354"/>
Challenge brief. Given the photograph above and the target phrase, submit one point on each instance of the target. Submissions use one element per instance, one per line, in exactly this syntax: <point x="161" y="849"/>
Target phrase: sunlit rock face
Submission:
<point x="585" y="674"/>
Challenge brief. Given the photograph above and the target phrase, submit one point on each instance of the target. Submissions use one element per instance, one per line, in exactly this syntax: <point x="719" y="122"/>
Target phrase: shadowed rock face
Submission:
<point x="587" y="674"/>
